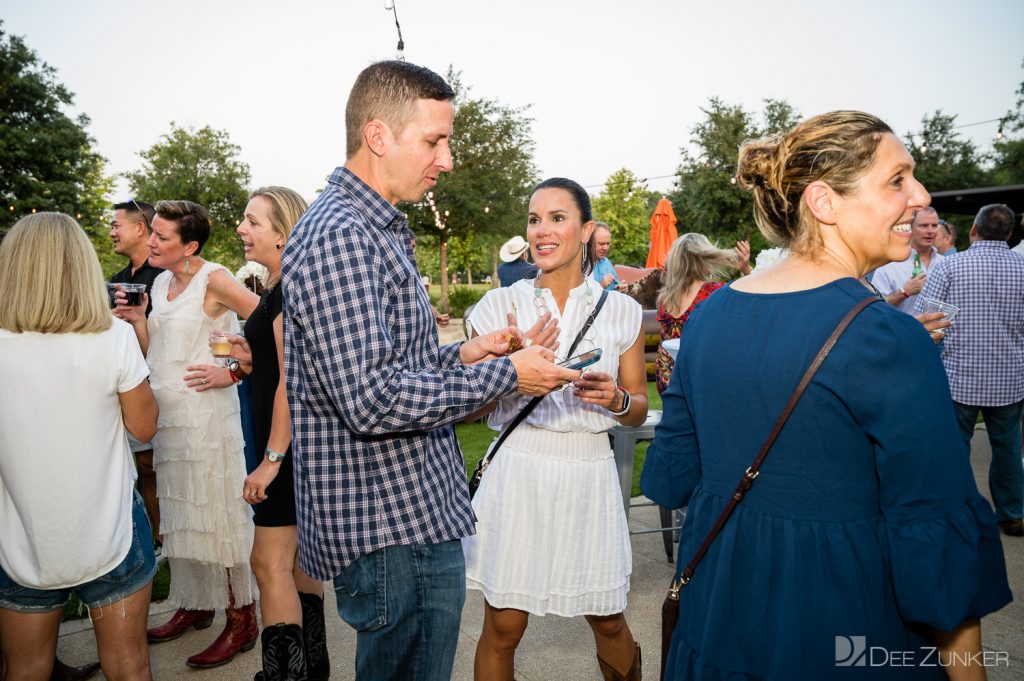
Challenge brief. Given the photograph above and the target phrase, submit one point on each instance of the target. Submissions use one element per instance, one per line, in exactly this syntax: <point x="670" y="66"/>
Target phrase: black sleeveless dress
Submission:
<point x="279" y="508"/>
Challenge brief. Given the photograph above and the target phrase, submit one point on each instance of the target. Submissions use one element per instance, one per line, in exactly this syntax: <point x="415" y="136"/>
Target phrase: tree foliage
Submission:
<point x="624" y="206"/>
<point x="47" y="161"/>
<point x="944" y="158"/>
<point x="200" y="166"/>
<point x="706" y="198"/>
<point x="1008" y="153"/>
<point x="487" y="192"/>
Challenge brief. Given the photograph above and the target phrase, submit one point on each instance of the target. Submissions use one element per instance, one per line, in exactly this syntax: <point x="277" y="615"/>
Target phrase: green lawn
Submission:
<point x="474" y="438"/>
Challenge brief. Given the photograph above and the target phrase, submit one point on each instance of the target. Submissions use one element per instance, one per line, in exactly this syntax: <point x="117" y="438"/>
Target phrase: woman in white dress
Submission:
<point x="551" y="530"/>
<point x="197" y="452"/>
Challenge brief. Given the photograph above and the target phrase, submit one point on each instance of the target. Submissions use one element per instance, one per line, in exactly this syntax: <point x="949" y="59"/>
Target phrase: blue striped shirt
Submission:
<point x="983" y="351"/>
<point x="372" y="395"/>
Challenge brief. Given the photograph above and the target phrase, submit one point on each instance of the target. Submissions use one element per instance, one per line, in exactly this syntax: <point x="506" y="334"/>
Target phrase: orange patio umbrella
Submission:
<point x="663" y="233"/>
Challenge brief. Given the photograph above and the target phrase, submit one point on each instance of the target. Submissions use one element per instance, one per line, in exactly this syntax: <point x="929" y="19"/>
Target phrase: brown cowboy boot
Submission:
<point x="179" y="624"/>
<point x="634" y="673"/>
<point x="240" y="634"/>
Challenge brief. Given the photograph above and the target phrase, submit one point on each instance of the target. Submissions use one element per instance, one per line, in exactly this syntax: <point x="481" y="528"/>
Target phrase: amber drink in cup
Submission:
<point x="220" y="346"/>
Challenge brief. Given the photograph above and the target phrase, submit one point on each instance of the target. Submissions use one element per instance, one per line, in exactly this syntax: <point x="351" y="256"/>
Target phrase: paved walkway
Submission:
<point x="554" y="647"/>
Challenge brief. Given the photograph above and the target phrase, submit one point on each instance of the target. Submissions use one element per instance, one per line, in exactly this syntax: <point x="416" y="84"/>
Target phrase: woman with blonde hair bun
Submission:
<point x="864" y="526"/>
<point x="692" y="270"/>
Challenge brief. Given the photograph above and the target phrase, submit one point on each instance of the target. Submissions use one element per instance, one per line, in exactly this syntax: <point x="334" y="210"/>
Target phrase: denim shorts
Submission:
<point x="134" y="572"/>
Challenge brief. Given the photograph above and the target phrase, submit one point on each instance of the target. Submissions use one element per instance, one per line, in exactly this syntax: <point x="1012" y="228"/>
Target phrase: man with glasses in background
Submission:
<point x="129" y="230"/>
<point x="945" y="238"/>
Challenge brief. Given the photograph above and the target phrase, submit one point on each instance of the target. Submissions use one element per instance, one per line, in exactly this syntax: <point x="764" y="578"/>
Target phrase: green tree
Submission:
<point x="706" y="198"/>
<point x="47" y="160"/>
<point x="487" y="192"/>
<point x="200" y="166"/>
<point x="1008" y="152"/>
<point x="945" y="160"/>
<point x="623" y="205"/>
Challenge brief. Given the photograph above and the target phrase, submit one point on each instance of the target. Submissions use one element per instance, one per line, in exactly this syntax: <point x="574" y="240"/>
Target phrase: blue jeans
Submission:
<point x="1006" y="474"/>
<point x="405" y="602"/>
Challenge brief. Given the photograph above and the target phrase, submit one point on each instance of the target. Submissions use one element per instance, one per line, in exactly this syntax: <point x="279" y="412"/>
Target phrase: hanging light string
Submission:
<point x="389" y="5"/>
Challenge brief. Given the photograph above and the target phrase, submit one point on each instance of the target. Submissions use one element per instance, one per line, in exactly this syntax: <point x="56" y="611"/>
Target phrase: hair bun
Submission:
<point x="757" y="164"/>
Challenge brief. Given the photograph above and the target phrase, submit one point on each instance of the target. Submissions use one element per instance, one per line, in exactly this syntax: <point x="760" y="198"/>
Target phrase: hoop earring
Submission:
<point x="186" y="264"/>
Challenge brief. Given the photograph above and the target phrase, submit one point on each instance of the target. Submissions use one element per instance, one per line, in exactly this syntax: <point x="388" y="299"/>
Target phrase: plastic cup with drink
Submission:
<point x="220" y="345"/>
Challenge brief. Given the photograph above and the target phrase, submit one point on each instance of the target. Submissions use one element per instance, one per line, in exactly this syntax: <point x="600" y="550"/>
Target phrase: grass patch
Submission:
<point x="474" y="438"/>
<point x="74" y="609"/>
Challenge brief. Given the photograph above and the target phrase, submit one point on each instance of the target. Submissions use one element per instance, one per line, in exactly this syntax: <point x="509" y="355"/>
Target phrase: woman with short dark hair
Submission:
<point x="197" y="452"/>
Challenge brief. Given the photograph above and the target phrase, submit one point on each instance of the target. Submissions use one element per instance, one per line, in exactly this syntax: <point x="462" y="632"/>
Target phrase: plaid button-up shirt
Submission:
<point x="372" y="395"/>
<point x="984" y="349"/>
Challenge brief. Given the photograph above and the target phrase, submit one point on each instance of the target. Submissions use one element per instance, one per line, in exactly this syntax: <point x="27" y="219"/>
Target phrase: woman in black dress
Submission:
<point x="291" y="602"/>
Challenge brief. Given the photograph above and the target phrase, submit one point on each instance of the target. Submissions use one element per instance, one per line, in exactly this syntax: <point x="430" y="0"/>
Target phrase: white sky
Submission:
<point x="612" y="84"/>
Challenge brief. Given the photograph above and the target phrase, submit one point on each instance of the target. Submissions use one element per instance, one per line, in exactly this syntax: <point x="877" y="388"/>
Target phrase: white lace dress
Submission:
<point x="551" y="533"/>
<point x="198" y="455"/>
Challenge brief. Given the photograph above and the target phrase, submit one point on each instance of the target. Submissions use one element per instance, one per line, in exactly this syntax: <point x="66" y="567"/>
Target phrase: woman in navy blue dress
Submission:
<point x="864" y="544"/>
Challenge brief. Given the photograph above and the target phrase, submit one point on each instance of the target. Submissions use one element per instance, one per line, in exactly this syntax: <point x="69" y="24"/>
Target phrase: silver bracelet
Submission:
<point x="627" y="402"/>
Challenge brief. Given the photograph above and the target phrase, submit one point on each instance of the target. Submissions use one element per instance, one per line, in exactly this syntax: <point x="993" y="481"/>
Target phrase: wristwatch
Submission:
<point x="627" y="402"/>
<point x="274" y="457"/>
<point x="236" y="372"/>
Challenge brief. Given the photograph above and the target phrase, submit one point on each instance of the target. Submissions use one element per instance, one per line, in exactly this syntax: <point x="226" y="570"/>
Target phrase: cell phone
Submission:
<point x="582" y="360"/>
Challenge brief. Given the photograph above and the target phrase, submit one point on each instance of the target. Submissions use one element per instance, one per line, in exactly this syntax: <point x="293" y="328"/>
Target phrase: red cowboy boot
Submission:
<point x="179" y="624"/>
<point x="240" y="634"/>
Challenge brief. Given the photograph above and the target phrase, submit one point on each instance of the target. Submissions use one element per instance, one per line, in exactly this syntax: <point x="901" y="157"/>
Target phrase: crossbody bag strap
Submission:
<point x="752" y="472"/>
<point x="536" y="400"/>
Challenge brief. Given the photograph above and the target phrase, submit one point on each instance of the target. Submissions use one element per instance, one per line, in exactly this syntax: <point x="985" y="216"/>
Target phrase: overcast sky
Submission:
<point x="611" y="84"/>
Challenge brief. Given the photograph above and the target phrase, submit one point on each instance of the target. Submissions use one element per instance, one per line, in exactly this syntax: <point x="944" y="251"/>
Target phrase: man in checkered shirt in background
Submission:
<point x="983" y="351"/>
<point x="380" y="483"/>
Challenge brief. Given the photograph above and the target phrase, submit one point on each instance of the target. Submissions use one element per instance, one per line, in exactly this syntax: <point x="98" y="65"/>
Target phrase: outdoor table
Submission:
<point x="624" y="440"/>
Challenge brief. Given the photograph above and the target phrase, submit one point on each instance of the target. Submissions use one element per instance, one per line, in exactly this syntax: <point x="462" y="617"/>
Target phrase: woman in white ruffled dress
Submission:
<point x="551" y="528"/>
<point x="198" y="455"/>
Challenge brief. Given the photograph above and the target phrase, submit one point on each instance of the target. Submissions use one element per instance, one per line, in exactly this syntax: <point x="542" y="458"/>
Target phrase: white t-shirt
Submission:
<point x="66" y="471"/>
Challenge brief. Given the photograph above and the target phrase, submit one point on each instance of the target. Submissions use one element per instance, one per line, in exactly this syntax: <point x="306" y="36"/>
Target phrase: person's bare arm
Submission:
<point x="139" y="411"/>
<point x="223" y="292"/>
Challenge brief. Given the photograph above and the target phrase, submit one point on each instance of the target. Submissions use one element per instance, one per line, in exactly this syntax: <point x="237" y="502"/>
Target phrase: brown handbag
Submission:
<point x="670" y="608"/>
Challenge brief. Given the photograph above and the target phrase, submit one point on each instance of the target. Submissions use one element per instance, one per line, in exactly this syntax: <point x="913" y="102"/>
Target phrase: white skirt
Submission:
<point x="551" y="533"/>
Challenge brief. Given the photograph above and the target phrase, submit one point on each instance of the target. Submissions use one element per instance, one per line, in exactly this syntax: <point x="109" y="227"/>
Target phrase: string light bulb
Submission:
<point x="389" y="6"/>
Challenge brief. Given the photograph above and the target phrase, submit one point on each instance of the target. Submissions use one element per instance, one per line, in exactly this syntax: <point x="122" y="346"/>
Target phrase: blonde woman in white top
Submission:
<point x="74" y="383"/>
<point x="551" y="530"/>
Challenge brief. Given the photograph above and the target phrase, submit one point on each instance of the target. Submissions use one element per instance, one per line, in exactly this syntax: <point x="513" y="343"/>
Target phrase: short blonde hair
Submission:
<point x="836" y="148"/>
<point x="286" y="207"/>
<point x="693" y="257"/>
<point x="51" y="278"/>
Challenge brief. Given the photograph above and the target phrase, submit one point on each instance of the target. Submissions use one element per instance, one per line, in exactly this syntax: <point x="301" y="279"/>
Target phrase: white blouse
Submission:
<point x="614" y="331"/>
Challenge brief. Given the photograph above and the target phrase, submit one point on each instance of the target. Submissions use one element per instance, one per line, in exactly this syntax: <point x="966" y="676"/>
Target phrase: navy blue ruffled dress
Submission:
<point x="865" y="519"/>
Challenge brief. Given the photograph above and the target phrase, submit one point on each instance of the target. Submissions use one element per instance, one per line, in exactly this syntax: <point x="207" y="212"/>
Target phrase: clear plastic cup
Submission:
<point x="929" y="305"/>
<point x="220" y="346"/>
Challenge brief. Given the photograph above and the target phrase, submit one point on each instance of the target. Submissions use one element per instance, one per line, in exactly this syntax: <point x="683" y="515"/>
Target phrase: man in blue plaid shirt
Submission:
<point x="380" y="483"/>
<point x="984" y="350"/>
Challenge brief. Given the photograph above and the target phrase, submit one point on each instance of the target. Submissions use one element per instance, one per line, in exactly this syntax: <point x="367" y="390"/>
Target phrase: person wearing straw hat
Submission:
<point x="514" y="265"/>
